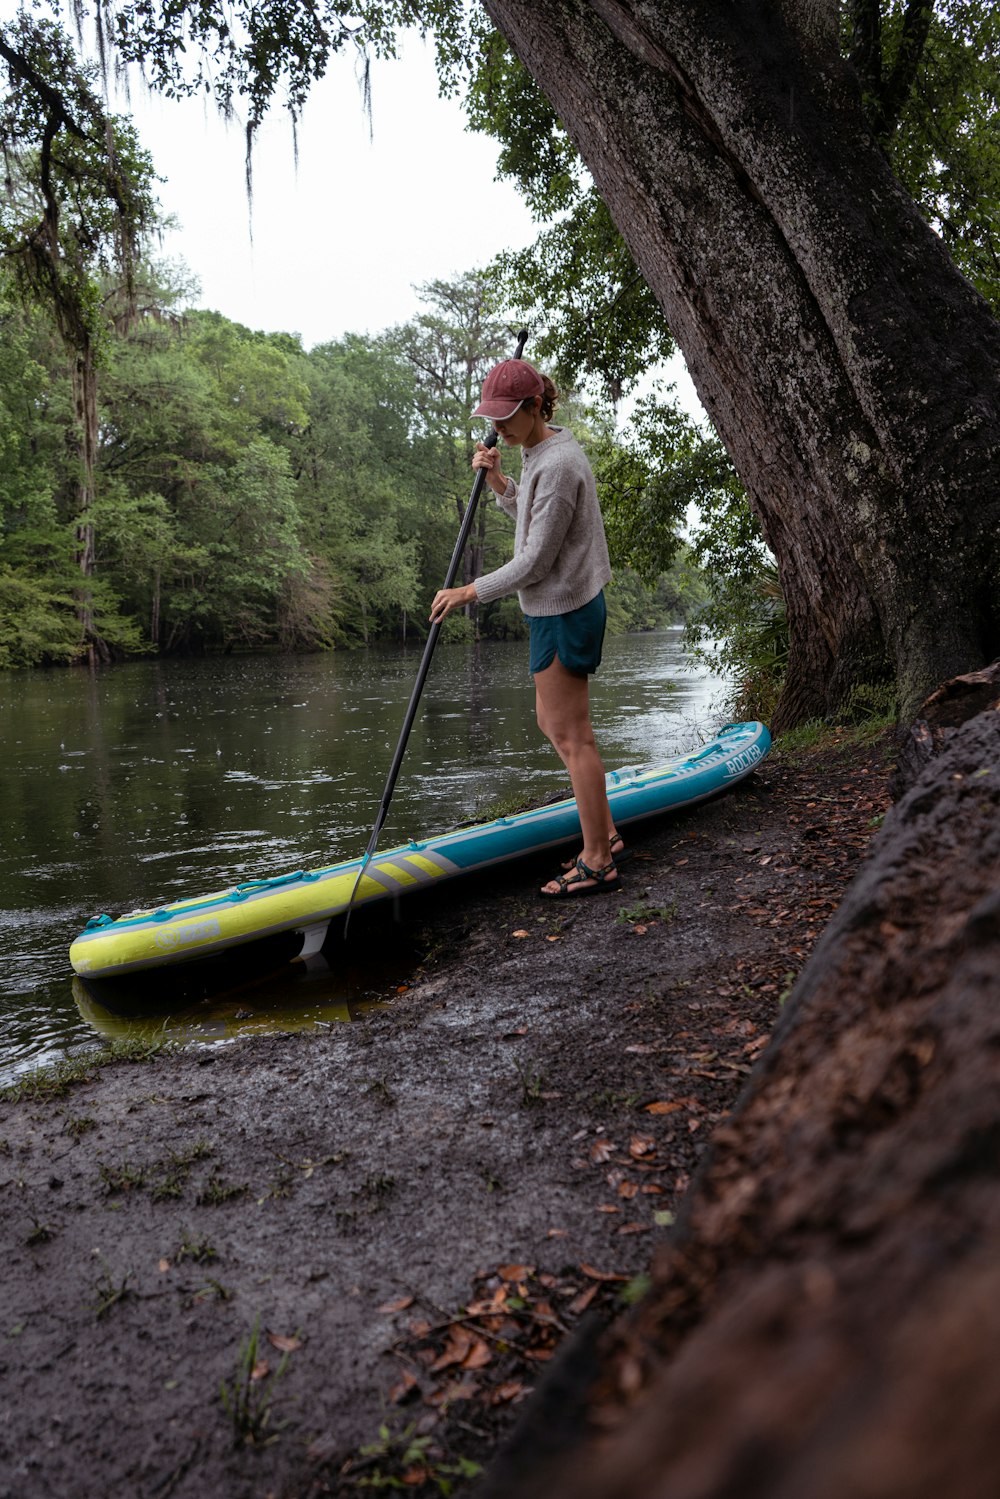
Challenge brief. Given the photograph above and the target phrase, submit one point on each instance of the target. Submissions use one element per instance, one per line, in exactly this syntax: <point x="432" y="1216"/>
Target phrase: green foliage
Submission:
<point x="357" y="492"/>
<point x="37" y="623"/>
<point x="649" y="480"/>
<point x="634" y="606"/>
<point x="248" y="1398"/>
<point x="741" y="628"/>
<point x="930" y="75"/>
<point x="110" y="1290"/>
<point x="870" y="705"/>
<point x="743" y="632"/>
<point x="502" y="620"/>
<point x="79" y="187"/>
<point x="503" y="100"/>
<point x="395" y="1459"/>
<point x="580" y="288"/>
<point x="247" y="494"/>
<point x="643" y="915"/>
<point x="260" y="53"/>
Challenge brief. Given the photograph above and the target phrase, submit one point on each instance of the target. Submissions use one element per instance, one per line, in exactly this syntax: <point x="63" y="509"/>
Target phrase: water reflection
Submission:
<point x="191" y="1006"/>
<point x="160" y="779"/>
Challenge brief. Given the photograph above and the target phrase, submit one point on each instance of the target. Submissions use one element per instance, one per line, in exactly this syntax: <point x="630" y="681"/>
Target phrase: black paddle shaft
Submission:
<point x="425" y="660"/>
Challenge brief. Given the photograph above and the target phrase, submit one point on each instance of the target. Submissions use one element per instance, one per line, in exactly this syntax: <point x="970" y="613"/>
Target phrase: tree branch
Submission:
<point x="55" y="104"/>
<point x="866" y="45"/>
<point x="898" y="86"/>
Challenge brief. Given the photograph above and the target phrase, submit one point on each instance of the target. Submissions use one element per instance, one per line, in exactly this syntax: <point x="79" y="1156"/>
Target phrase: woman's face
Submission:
<point x="517" y="429"/>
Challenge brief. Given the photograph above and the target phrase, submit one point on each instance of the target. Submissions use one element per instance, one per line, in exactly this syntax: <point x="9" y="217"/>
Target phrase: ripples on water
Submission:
<point x="148" y="782"/>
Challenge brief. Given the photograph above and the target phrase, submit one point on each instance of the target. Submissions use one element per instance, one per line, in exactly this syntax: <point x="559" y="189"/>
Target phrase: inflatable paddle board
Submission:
<point x="306" y="901"/>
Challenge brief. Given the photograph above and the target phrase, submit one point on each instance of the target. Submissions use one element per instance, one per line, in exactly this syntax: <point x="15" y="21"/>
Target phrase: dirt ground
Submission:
<point x="338" y="1262"/>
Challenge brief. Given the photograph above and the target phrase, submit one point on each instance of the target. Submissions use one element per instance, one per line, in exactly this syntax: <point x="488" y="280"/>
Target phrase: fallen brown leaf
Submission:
<point x="488" y="1308"/>
<point x="580" y="1303"/>
<point x="515" y="1272"/>
<point x="404" y="1389"/>
<point x="283" y="1343"/>
<point x="449" y="1393"/>
<point x="478" y="1356"/>
<point x="457" y="1346"/>
<point x="512" y="1389"/>
<point x="400" y="1305"/>
<point x="592" y="1274"/>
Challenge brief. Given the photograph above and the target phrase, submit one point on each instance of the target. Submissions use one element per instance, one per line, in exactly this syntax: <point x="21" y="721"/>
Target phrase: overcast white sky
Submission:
<point x="339" y="242"/>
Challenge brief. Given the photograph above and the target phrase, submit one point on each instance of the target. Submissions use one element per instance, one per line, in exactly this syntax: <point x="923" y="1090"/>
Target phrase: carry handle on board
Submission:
<point x="425" y="660"/>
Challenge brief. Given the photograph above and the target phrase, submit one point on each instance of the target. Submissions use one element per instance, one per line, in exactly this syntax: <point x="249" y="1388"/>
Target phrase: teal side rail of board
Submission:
<point x="307" y="900"/>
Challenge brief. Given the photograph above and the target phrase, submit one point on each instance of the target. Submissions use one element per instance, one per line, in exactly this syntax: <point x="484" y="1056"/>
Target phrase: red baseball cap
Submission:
<point x="506" y="386"/>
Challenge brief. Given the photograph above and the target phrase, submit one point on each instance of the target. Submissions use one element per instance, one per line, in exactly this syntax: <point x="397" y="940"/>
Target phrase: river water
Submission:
<point x="147" y="782"/>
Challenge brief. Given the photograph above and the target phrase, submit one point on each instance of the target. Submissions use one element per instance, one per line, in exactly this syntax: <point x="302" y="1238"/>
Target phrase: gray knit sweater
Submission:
<point x="560" y="552"/>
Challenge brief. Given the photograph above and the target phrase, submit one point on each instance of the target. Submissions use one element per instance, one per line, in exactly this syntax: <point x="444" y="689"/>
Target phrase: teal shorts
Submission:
<point x="576" y="638"/>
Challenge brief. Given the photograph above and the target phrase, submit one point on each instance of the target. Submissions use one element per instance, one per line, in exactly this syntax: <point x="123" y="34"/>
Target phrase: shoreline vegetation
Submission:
<point x="340" y="1262"/>
<point x="246" y="494"/>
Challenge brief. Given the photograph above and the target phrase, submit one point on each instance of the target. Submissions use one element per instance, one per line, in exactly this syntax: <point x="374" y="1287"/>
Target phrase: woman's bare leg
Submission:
<point x="562" y="705"/>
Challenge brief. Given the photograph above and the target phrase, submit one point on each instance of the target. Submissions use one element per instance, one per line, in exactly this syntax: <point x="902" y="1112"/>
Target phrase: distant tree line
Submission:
<point x="244" y="493"/>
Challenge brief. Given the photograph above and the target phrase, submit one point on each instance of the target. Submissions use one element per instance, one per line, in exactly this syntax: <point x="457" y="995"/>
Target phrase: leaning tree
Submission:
<point x="849" y="367"/>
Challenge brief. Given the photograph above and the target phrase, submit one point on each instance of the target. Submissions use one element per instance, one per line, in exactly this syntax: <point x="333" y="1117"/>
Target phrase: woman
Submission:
<point x="559" y="570"/>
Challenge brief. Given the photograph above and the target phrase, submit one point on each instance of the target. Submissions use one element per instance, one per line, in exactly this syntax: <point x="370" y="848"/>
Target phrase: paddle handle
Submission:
<point x="432" y="637"/>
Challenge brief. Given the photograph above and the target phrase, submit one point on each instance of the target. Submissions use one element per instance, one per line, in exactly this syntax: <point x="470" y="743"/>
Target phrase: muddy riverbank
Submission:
<point x="315" y="1264"/>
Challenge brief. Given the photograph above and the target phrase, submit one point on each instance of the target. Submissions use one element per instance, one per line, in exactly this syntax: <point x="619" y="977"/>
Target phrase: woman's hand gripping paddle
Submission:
<point x="425" y="661"/>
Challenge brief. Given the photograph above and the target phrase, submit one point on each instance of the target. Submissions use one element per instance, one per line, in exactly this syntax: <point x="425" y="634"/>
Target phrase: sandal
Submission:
<point x="619" y="852"/>
<point x="571" y="885"/>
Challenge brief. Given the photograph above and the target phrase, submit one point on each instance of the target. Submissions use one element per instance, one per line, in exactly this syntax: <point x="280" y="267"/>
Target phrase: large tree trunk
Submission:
<point x="824" y="1322"/>
<point x="851" y="371"/>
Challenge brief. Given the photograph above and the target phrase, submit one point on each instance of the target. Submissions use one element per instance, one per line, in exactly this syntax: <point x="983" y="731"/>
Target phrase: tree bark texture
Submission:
<point x="824" y="1320"/>
<point x="851" y="371"/>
